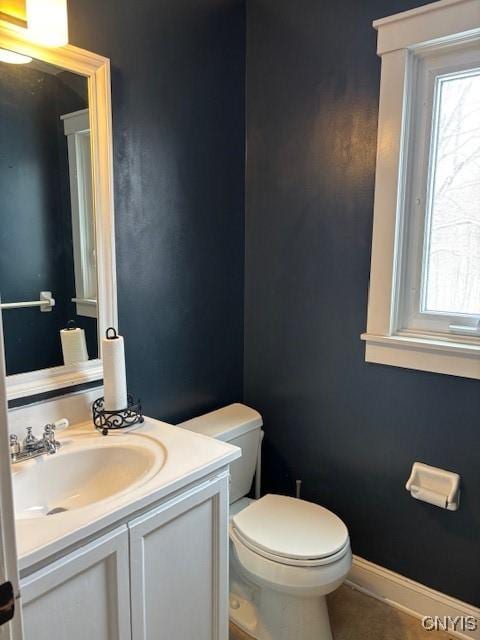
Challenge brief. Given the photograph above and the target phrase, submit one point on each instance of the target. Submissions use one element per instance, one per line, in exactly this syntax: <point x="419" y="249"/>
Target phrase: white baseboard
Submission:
<point x="411" y="597"/>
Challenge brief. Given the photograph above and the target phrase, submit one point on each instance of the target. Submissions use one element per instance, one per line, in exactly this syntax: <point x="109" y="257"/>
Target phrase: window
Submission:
<point x="424" y="303"/>
<point x="441" y="289"/>
<point x="77" y="131"/>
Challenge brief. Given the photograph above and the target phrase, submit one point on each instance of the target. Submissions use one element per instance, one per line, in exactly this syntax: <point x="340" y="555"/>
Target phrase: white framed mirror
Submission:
<point x="57" y="243"/>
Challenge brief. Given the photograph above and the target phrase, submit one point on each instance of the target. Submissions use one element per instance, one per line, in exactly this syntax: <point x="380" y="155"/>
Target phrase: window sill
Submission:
<point x="86" y="307"/>
<point x="424" y="354"/>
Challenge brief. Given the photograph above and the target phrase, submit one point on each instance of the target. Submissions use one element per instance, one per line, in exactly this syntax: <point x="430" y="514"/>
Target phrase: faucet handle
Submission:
<point x="49" y="433"/>
<point x="49" y="436"/>
<point x="61" y="424"/>
<point x="14" y="444"/>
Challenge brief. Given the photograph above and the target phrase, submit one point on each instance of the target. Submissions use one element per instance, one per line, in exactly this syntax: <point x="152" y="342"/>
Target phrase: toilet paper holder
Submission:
<point x="435" y="486"/>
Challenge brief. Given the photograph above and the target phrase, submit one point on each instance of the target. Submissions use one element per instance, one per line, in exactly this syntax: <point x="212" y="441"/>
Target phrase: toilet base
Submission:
<point x="243" y="614"/>
<point x="278" y="616"/>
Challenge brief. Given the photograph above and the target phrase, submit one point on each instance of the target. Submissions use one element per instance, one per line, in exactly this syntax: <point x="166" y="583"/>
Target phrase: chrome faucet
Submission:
<point x="31" y="447"/>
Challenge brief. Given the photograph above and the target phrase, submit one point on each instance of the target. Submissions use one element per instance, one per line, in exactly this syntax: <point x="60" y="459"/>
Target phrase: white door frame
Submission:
<point x="8" y="546"/>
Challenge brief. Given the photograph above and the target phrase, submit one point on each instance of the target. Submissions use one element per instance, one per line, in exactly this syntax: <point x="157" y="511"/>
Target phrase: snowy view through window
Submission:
<point x="452" y="258"/>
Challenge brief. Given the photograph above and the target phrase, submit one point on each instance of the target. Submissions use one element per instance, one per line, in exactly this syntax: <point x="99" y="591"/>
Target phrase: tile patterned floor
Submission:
<point x="355" y="616"/>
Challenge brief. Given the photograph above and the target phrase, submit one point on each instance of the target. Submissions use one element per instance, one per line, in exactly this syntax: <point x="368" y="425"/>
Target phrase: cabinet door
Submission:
<point x="179" y="567"/>
<point x="83" y="596"/>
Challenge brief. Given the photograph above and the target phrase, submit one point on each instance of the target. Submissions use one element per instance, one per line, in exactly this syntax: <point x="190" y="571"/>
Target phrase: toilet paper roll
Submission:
<point x="114" y="375"/>
<point x="74" y="346"/>
<point x="437" y="499"/>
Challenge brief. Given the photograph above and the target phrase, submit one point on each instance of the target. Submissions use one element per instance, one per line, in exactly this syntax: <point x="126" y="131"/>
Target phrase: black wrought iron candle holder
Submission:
<point x="105" y="420"/>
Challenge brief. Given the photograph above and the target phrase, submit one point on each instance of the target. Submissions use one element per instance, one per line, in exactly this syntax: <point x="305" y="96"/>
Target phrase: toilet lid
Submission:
<point x="291" y="528"/>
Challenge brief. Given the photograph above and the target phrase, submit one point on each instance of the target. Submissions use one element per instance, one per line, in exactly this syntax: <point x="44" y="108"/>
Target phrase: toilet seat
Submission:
<point x="291" y="531"/>
<point x="280" y="576"/>
<point x="293" y="562"/>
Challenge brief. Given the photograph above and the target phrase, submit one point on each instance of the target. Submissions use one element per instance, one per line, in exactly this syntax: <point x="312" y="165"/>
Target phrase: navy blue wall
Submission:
<point x="349" y="430"/>
<point x="178" y="118"/>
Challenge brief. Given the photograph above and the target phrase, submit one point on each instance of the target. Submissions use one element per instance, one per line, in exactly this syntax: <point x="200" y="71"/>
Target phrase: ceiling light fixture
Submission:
<point x="47" y="22"/>
<point x="44" y="22"/>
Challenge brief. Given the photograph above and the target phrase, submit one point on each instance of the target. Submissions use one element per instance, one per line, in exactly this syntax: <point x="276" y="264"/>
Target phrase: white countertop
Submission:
<point x="189" y="456"/>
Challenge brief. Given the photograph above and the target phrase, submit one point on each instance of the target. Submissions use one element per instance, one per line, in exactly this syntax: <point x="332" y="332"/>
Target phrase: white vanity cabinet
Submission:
<point x="179" y="574"/>
<point x="162" y="575"/>
<point x="82" y="596"/>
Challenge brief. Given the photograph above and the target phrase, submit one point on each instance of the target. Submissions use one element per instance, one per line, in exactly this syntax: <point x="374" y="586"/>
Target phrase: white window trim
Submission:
<point x="76" y="125"/>
<point x="439" y="23"/>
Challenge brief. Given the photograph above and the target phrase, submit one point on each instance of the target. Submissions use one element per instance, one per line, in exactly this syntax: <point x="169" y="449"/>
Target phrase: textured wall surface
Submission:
<point x="349" y="430"/>
<point x="178" y="118"/>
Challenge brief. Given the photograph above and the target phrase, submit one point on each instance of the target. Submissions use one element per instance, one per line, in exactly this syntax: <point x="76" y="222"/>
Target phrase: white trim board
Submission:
<point x="427" y="24"/>
<point x="409" y="596"/>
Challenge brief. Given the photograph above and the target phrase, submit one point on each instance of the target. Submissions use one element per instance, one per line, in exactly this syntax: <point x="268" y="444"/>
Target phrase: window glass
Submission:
<point x="451" y="271"/>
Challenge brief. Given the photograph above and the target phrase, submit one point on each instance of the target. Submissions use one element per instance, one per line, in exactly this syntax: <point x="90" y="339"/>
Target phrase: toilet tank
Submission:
<point x="239" y="425"/>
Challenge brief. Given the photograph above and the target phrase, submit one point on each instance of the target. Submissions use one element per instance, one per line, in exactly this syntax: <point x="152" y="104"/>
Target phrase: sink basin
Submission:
<point x="83" y="472"/>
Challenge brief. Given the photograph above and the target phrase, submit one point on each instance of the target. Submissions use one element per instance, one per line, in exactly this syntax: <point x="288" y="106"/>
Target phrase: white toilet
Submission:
<point x="286" y="554"/>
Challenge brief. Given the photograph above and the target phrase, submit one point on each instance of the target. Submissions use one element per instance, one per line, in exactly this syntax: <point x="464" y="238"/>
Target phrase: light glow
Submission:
<point x="13" y="58"/>
<point x="47" y="22"/>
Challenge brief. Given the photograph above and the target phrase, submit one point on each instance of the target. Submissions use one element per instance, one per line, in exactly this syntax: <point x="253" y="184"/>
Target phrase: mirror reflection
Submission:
<point x="48" y="279"/>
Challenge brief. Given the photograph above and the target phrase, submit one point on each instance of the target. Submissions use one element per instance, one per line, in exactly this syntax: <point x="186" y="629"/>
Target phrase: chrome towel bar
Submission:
<point x="46" y="303"/>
